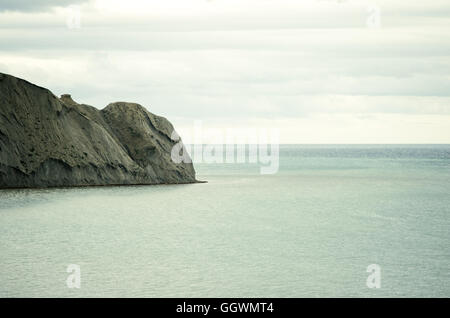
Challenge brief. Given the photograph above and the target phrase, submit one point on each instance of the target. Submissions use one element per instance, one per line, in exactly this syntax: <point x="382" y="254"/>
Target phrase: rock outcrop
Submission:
<point x="46" y="141"/>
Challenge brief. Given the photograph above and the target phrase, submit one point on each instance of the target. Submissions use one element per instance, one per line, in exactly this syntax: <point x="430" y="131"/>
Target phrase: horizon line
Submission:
<point x="331" y="144"/>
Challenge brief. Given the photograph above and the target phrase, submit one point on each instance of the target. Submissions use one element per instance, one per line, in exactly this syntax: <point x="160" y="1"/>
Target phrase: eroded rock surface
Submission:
<point x="46" y="141"/>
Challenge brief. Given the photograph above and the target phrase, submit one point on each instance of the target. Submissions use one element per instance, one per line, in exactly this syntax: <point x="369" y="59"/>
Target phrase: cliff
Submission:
<point x="46" y="141"/>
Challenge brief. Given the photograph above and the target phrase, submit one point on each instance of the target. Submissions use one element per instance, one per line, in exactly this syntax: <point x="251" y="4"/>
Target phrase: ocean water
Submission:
<point x="311" y="230"/>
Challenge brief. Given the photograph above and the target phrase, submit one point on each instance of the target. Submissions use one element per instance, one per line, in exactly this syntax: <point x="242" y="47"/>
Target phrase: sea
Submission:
<point x="333" y="221"/>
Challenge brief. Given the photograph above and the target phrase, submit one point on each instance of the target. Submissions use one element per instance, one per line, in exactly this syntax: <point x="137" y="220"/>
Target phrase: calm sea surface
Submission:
<point x="311" y="230"/>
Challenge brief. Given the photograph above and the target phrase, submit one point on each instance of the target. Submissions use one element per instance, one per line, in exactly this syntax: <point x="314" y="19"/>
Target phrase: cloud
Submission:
<point x="35" y="5"/>
<point x="289" y="63"/>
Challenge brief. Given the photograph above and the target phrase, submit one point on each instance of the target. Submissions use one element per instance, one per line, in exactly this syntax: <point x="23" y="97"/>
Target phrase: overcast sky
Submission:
<point x="321" y="71"/>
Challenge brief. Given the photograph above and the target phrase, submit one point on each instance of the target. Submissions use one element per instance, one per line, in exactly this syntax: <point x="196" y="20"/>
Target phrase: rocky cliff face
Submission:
<point x="47" y="141"/>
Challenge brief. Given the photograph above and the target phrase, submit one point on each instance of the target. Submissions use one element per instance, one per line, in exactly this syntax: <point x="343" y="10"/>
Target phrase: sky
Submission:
<point x="318" y="71"/>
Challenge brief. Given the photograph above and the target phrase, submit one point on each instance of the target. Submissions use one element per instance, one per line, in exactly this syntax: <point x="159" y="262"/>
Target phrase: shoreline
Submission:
<point x="105" y="185"/>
